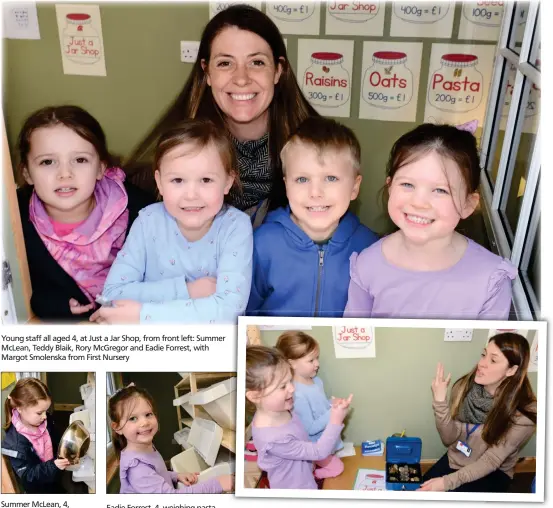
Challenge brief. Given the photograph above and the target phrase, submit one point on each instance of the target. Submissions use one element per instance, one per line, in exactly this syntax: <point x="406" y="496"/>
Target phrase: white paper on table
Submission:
<point x="20" y="20"/>
<point x="370" y="479"/>
<point x="347" y="451"/>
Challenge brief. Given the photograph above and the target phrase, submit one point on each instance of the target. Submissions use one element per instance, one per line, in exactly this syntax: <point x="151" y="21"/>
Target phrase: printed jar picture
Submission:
<point x="326" y="83"/>
<point x="388" y="83"/>
<point x="291" y="11"/>
<point x="81" y="42"/>
<point x="421" y="12"/>
<point x="534" y="96"/>
<point x="457" y="85"/>
<point x="484" y="13"/>
<point x="354" y="12"/>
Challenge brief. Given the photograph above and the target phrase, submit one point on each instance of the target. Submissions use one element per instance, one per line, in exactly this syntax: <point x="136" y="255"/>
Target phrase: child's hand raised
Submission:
<point x="188" y="478"/>
<point x="202" y="288"/>
<point x="227" y="482"/>
<point x="339" y="409"/>
<point x="123" y="311"/>
<point x="76" y="308"/>
<point x="62" y="463"/>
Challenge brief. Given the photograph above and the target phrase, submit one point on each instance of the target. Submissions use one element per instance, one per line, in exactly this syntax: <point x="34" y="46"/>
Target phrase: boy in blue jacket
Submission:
<point x="301" y="252"/>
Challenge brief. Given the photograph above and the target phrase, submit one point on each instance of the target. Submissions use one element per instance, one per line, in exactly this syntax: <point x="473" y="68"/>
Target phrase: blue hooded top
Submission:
<point x="294" y="276"/>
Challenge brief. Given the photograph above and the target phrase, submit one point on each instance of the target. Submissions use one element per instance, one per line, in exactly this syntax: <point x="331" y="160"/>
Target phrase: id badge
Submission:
<point x="464" y="448"/>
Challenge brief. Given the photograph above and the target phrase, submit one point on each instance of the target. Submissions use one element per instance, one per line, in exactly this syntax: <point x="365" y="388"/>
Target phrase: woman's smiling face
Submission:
<point x="242" y="75"/>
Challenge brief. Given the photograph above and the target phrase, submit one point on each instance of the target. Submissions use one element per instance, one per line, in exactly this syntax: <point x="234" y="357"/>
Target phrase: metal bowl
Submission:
<point x="74" y="442"/>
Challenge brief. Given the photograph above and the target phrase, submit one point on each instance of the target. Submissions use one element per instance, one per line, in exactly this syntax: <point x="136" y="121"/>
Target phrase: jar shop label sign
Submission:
<point x="355" y="12"/>
<point x="421" y="12"/>
<point x="82" y="48"/>
<point x="441" y="82"/>
<point x="353" y="336"/>
<point x="326" y="83"/>
<point x="291" y="11"/>
<point x="484" y="13"/>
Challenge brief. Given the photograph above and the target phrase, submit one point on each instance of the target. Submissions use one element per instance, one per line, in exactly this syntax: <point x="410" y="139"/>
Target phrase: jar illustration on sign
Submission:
<point x="326" y="83"/>
<point x="292" y="11"/>
<point x="81" y="42"/>
<point x="484" y="13"/>
<point x="388" y="83"/>
<point x="354" y="12"/>
<point x="421" y="12"/>
<point x="458" y="85"/>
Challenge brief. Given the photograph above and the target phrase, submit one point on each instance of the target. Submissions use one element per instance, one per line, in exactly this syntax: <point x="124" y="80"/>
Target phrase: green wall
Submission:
<point x="144" y="75"/>
<point x="391" y="392"/>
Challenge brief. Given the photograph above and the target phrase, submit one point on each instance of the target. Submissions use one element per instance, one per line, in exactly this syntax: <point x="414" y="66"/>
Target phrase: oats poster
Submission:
<point x="325" y="74"/>
<point x="390" y="81"/>
<point x="458" y="83"/>
<point x="81" y="40"/>
<point x="295" y="17"/>
<point x="422" y="19"/>
<point x="355" y="18"/>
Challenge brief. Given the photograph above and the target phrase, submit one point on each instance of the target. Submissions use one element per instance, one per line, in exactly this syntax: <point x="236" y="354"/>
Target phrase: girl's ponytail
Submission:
<point x="8" y="412"/>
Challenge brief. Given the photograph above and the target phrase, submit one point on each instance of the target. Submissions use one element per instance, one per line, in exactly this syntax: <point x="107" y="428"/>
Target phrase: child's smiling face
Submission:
<point x="319" y="187"/>
<point x="193" y="183"/>
<point x="428" y="197"/>
<point x="33" y="416"/>
<point x="140" y="425"/>
<point x="278" y="396"/>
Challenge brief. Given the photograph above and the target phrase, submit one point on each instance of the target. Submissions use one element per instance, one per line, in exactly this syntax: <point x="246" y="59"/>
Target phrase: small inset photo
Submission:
<point x="359" y="408"/>
<point x="171" y="432"/>
<point x="48" y="432"/>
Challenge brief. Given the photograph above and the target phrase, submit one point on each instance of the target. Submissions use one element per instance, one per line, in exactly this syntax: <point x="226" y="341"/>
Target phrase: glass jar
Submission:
<point x="458" y="86"/>
<point x="484" y="13"/>
<point x="81" y="42"/>
<point x="356" y="12"/>
<point x="388" y="83"/>
<point x="326" y="83"/>
<point x="421" y="12"/>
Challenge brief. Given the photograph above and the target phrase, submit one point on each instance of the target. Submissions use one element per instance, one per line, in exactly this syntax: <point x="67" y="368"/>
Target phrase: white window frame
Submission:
<point x="525" y="302"/>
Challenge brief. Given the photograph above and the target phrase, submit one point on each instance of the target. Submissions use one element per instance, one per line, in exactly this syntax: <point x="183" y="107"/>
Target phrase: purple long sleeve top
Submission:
<point x="287" y="455"/>
<point x="146" y="473"/>
<point x="478" y="286"/>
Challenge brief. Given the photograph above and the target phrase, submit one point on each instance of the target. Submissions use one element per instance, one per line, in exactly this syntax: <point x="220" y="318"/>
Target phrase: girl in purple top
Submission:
<point x="284" y="450"/>
<point x="141" y="467"/>
<point x="426" y="269"/>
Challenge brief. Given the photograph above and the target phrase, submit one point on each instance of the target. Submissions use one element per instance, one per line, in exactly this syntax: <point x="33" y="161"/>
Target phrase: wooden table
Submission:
<point x="346" y="480"/>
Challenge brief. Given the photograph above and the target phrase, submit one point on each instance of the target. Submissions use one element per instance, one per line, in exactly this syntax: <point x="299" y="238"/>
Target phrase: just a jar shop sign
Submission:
<point x="82" y="45"/>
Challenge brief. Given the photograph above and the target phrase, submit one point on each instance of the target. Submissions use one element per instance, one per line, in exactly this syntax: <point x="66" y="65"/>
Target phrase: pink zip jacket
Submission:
<point x="88" y="252"/>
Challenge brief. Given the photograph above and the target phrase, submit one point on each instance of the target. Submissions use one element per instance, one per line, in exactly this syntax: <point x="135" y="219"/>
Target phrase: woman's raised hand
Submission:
<point x="439" y="384"/>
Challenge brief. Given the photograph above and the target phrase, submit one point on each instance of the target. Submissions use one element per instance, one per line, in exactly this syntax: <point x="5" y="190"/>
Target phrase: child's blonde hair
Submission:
<point x="120" y="406"/>
<point x="27" y="392"/>
<point x="322" y="134"/>
<point x="295" y="345"/>
<point x="199" y="134"/>
<point x="259" y="361"/>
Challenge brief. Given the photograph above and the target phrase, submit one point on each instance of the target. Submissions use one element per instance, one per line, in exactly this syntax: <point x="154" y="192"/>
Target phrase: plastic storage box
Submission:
<point x="184" y="402"/>
<point x="403" y="454"/>
<point x="219" y="401"/>
<point x="204" y="456"/>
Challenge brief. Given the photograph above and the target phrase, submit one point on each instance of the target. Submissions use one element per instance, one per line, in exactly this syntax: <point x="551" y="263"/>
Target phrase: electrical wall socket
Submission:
<point x="189" y="51"/>
<point x="458" y="334"/>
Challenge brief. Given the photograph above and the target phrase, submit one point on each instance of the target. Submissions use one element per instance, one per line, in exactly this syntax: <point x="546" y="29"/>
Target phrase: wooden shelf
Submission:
<point x="229" y="440"/>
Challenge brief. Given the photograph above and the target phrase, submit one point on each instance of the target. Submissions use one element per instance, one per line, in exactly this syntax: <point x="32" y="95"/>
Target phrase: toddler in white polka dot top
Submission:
<point x="189" y="258"/>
